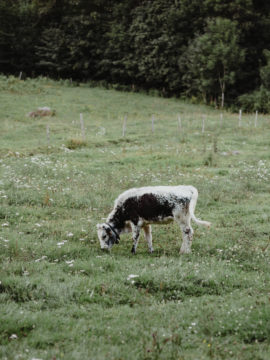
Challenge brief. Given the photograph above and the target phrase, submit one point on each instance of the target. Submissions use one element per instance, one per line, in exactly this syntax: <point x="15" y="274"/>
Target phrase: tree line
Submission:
<point x="215" y="51"/>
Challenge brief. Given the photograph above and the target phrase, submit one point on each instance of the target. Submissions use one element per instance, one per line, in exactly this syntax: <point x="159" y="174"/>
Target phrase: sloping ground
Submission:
<point x="62" y="297"/>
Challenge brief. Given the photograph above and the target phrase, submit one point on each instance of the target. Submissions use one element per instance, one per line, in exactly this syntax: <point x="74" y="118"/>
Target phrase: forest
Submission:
<point x="210" y="51"/>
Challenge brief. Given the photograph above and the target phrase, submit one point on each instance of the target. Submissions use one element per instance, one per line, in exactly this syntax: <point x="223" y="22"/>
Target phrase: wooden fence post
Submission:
<point x="203" y="122"/>
<point x="179" y="123"/>
<point x="240" y="118"/>
<point x="153" y="124"/>
<point x="82" y="127"/>
<point x="48" y="133"/>
<point x="124" y="126"/>
<point x="256" y="119"/>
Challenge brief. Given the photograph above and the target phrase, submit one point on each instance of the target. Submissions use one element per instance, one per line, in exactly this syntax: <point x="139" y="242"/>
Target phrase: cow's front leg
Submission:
<point x="148" y="237"/>
<point x="135" y="236"/>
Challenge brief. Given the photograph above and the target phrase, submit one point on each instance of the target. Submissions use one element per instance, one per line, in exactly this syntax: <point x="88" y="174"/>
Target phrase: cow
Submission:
<point x="138" y="208"/>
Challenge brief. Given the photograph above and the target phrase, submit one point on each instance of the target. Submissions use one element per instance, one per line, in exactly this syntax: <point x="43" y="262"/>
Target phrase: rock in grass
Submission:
<point x="42" y="111"/>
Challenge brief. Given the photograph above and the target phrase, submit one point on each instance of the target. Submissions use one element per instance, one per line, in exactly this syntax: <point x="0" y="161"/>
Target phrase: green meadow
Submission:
<point x="61" y="296"/>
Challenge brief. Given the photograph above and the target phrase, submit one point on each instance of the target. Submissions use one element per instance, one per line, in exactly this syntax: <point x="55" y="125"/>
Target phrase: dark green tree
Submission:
<point x="72" y="44"/>
<point x="146" y="40"/>
<point x="265" y="71"/>
<point x="212" y="60"/>
<point x="7" y="35"/>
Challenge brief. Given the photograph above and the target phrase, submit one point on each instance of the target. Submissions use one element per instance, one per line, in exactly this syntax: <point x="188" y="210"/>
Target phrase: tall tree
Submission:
<point x="212" y="60"/>
<point x="265" y="71"/>
<point x="71" y="42"/>
<point x="7" y="35"/>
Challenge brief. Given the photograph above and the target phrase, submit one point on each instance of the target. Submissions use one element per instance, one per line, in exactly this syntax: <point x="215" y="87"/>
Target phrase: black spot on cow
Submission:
<point x="149" y="207"/>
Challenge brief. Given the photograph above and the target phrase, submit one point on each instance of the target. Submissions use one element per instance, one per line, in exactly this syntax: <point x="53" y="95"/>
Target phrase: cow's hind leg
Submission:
<point x="135" y="236"/>
<point x="148" y="237"/>
<point x="187" y="235"/>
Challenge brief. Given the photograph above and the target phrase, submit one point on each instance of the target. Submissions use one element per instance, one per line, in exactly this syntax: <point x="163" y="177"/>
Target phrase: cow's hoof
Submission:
<point x="185" y="251"/>
<point x="133" y="250"/>
<point x="151" y="250"/>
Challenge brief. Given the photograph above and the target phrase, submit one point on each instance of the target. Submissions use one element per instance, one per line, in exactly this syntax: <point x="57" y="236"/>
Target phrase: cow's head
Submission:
<point x="107" y="236"/>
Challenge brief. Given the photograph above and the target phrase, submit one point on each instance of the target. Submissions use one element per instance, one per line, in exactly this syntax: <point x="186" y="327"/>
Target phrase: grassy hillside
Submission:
<point x="61" y="296"/>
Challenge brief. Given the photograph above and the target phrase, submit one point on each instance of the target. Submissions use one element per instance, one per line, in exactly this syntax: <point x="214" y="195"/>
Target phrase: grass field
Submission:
<point x="61" y="297"/>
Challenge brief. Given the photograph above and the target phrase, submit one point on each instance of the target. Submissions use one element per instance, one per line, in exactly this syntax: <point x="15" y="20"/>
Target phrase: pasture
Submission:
<point x="61" y="297"/>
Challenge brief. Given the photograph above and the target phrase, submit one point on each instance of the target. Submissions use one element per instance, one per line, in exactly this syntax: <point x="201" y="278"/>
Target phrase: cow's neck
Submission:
<point x="116" y="220"/>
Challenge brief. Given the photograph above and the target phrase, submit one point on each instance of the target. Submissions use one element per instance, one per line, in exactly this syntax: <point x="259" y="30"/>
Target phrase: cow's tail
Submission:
<point x="192" y="209"/>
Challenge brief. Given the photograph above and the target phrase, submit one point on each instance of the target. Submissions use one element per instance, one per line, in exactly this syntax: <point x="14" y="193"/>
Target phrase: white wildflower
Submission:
<point x="42" y="258"/>
<point x="69" y="262"/>
<point x="61" y="243"/>
<point x="132" y="276"/>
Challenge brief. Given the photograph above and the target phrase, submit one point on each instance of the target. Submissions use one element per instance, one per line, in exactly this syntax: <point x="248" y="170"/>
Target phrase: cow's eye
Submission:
<point x="103" y="237"/>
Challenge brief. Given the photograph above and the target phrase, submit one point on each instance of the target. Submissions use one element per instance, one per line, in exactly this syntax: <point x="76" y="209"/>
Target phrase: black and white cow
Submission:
<point x="137" y="208"/>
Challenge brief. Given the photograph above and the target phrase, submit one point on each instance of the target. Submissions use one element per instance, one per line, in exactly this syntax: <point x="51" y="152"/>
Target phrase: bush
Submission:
<point x="258" y="100"/>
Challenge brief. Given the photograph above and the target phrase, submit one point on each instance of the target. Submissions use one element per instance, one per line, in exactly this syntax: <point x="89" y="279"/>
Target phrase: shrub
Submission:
<point x="258" y="100"/>
<point x="75" y="144"/>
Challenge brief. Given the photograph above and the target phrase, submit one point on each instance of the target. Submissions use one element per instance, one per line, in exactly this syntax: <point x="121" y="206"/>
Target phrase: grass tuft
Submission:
<point x="73" y="144"/>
